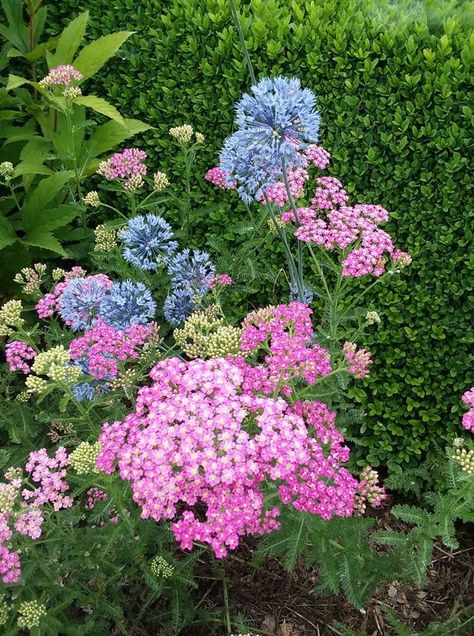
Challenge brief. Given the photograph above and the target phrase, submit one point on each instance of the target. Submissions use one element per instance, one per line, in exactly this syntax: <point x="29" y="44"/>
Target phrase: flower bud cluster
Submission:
<point x="83" y="458"/>
<point x="10" y="317"/>
<point x="72" y="92"/>
<point x="369" y="490"/>
<point x="372" y="318"/>
<point x="160" y="181"/>
<point x="6" y="170"/>
<point x="30" y="278"/>
<point x="55" y="365"/>
<point x="92" y="199"/>
<point x="465" y="459"/>
<point x="31" y="613"/>
<point x="4" y="610"/>
<point x="161" y="568"/>
<point x="105" y="239"/>
<point x="59" y="430"/>
<point x="204" y="335"/>
<point x="182" y="134"/>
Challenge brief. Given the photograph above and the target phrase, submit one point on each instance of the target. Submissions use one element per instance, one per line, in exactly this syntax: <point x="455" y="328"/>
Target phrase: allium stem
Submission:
<point x="238" y="26"/>
<point x="299" y="248"/>
<point x="295" y="279"/>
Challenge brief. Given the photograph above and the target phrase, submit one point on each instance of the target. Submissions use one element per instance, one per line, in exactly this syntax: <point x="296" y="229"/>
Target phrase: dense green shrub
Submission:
<point x="394" y="93"/>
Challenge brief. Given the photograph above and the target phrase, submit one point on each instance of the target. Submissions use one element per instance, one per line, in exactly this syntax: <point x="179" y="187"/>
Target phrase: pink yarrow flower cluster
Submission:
<point x="199" y="448"/>
<point x="17" y="353"/>
<point x="127" y="166"/>
<point x="21" y="510"/>
<point x="221" y="280"/>
<point x="284" y="335"/>
<point x="63" y="75"/>
<point x="468" y="418"/>
<point x="49" y="473"/>
<point x="103" y="347"/>
<point x="359" y="360"/>
<point x="331" y="223"/>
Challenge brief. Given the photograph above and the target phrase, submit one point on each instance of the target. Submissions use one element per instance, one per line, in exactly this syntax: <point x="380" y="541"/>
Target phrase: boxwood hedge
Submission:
<point x="394" y="85"/>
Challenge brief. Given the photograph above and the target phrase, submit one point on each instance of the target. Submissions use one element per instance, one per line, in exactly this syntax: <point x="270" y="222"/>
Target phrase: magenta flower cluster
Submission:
<point x="281" y="339"/>
<point x="127" y="165"/>
<point x="468" y="418"/>
<point x="63" y="75"/>
<point x="17" y="354"/>
<point x="200" y="448"/>
<point x="21" y="511"/>
<point x="102" y="347"/>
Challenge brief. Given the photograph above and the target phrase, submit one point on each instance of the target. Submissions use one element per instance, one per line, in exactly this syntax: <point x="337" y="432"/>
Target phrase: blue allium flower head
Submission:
<point x="178" y="306"/>
<point x="274" y="124"/>
<point x="252" y="167"/>
<point x="191" y="270"/>
<point x="87" y="390"/>
<point x="307" y="294"/>
<point x="80" y="302"/>
<point x="127" y="304"/>
<point x="147" y="241"/>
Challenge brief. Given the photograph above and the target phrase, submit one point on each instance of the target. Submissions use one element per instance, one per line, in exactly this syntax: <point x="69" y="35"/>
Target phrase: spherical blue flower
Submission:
<point x="191" y="270"/>
<point x="147" y="241"/>
<point x="274" y="124"/>
<point x="280" y="115"/>
<point x="127" y="304"/>
<point x="252" y="167"/>
<point x="308" y="295"/>
<point x="178" y="306"/>
<point x="80" y="302"/>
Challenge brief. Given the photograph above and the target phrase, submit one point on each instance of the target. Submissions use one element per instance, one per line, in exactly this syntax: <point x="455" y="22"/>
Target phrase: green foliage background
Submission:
<point x="394" y="87"/>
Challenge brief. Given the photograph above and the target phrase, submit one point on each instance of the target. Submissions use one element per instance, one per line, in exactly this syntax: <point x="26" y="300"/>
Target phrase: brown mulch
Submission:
<point x="275" y="603"/>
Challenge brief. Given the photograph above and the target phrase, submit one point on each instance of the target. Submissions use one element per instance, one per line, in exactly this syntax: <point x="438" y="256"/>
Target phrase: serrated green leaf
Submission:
<point x="52" y="219"/>
<point x="45" y="192"/>
<point x="46" y="240"/>
<point x="14" y="81"/>
<point x="69" y="40"/>
<point x="93" y="56"/>
<point x="101" y="106"/>
<point x="27" y="167"/>
<point x="7" y="233"/>
<point x="112" y="134"/>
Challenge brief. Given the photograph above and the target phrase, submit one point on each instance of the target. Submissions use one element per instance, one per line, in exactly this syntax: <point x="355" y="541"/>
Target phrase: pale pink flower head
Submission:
<point x="127" y="165"/>
<point x="63" y="75"/>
